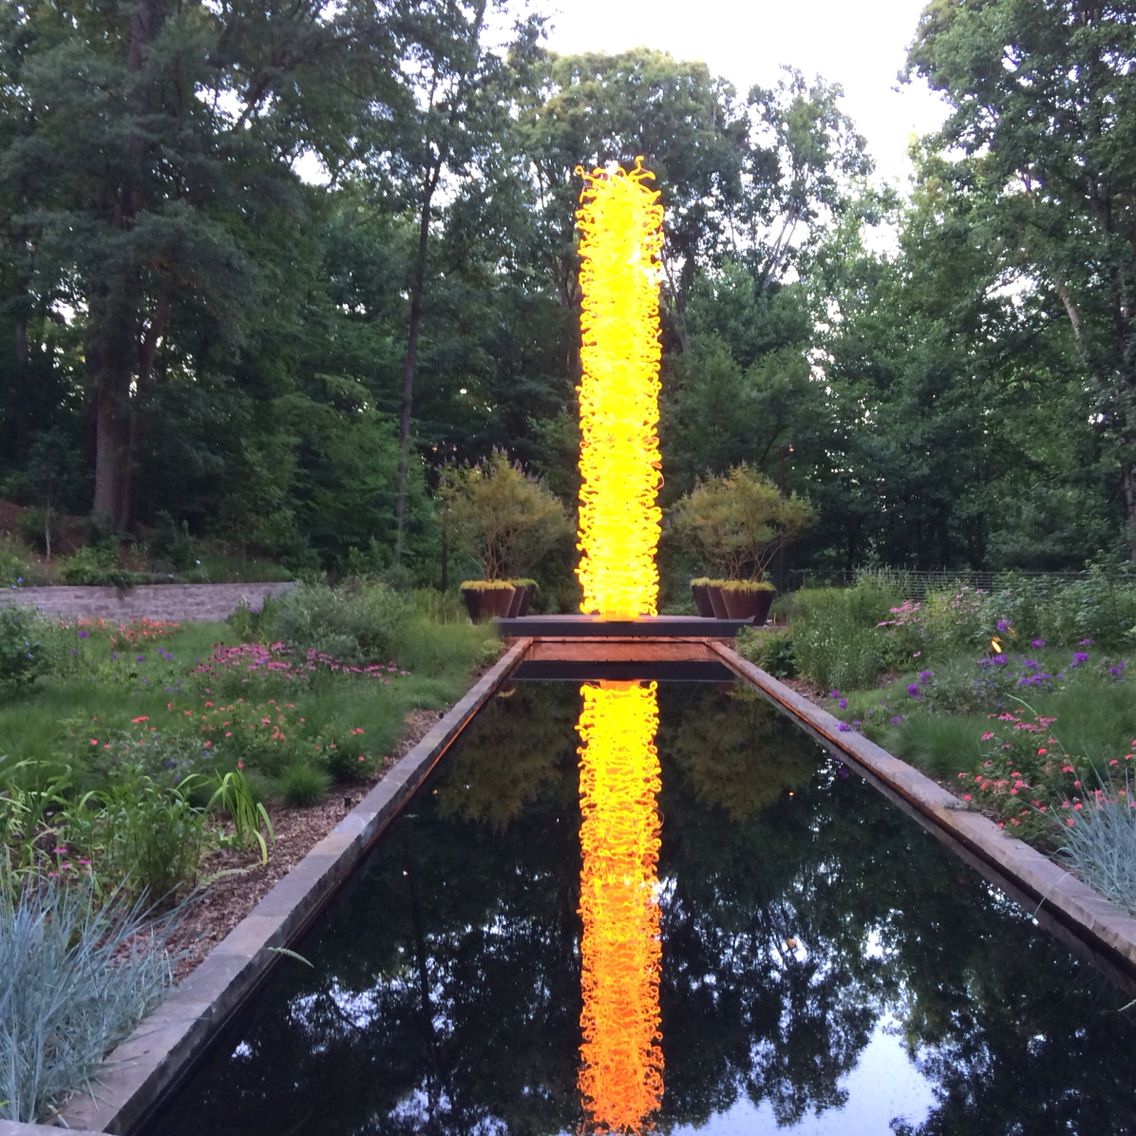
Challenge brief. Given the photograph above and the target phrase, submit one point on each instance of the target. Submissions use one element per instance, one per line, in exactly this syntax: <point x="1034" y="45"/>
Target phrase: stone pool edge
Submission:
<point x="1100" y="920"/>
<point x="142" y="1069"/>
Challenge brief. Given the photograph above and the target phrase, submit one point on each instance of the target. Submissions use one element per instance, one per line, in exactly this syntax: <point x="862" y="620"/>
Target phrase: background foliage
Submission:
<point x="262" y="279"/>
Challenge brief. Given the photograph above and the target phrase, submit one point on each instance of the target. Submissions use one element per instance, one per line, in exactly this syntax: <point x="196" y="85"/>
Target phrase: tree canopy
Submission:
<point x="269" y="269"/>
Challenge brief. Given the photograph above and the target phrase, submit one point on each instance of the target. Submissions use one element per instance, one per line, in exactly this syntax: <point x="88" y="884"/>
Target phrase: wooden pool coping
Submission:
<point x="159" y="1052"/>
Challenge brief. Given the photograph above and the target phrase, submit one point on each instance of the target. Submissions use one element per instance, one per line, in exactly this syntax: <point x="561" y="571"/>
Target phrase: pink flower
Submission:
<point x="140" y="718"/>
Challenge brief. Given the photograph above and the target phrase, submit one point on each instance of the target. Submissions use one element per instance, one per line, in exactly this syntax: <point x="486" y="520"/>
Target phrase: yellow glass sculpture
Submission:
<point x="621" y="238"/>
<point x="621" y="1063"/>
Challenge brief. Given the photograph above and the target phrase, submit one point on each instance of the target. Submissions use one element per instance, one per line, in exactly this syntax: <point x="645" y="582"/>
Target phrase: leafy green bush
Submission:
<point x="343" y="754"/>
<point x="736" y="523"/>
<point x="501" y="517"/>
<point x="14" y="569"/>
<point x="24" y="646"/>
<point x="136" y="830"/>
<point x="771" y="650"/>
<point x="356" y="623"/>
<point x="91" y="565"/>
<point x="836" y="641"/>
<point x="74" y="979"/>
<point x="1100" y="605"/>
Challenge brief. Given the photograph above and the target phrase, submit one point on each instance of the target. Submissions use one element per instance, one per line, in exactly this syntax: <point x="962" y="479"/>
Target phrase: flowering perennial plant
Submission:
<point x="124" y="634"/>
<point x="1031" y="784"/>
<point x="257" y="666"/>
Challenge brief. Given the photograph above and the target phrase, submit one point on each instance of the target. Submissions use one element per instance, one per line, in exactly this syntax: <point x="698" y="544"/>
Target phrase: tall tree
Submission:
<point x="447" y="112"/>
<point x="587" y="110"/>
<point x="158" y="136"/>
<point x="1043" y="126"/>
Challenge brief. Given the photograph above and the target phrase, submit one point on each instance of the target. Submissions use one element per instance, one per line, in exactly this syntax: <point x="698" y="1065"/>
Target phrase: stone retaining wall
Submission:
<point x="189" y="603"/>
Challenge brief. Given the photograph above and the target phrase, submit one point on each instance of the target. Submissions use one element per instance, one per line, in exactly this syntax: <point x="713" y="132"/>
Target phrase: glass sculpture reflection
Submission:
<point x="621" y="1063"/>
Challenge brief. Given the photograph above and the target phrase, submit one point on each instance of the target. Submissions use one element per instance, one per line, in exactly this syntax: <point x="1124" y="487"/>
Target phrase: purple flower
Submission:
<point x="1084" y="643"/>
<point x="139" y="658"/>
<point x="1002" y="625"/>
<point x="843" y="704"/>
<point x="1079" y="657"/>
<point x="913" y="689"/>
<point x="1038" y="643"/>
<point x="84" y="634"/>
<point x="926" y="676"/>
<point x="998" y="660"/>
<point x="1031" y="663"/>
<point x="896" y="719"/>
<point x="114" y="656"/>
<point x="843" y="727"/>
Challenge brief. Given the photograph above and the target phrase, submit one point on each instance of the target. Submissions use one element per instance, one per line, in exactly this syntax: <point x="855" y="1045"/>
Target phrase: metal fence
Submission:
<point x="915" y="584"/>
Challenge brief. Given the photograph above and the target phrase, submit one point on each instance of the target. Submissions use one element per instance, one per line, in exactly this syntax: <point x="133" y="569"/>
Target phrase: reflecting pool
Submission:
<point x="818" y="962"/>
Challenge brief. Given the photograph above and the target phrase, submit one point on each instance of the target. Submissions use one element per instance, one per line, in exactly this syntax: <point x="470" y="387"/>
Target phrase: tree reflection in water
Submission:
<point x="445" y="998"/>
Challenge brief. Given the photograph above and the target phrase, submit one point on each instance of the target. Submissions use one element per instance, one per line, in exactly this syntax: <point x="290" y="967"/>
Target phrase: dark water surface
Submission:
<point x="827" y="965"/>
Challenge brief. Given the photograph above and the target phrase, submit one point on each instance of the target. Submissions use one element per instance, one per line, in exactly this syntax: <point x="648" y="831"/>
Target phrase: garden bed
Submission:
<point x="192" y="767"/>
<point x="1020" y="702"/>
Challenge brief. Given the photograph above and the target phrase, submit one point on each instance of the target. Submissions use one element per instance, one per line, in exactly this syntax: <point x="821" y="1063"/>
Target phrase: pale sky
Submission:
<point x="861" y="46"/>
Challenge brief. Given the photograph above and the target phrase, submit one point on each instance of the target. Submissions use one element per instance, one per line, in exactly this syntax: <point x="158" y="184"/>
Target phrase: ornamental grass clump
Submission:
<point x="1100" y="844"/>
<point x="75" y="977"/>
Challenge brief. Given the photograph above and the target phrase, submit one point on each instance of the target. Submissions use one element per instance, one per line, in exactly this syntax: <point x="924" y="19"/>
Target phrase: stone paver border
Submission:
<point x="1039" y="879"/>
<point x="157" y="1054"/>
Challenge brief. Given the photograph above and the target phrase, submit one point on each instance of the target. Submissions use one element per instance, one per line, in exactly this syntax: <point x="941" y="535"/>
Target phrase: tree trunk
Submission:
<point x="109" y="352"/>
<point x="114" y="351"/>
<point x="1128" y="487"/>
<point x="410" y="359"/>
